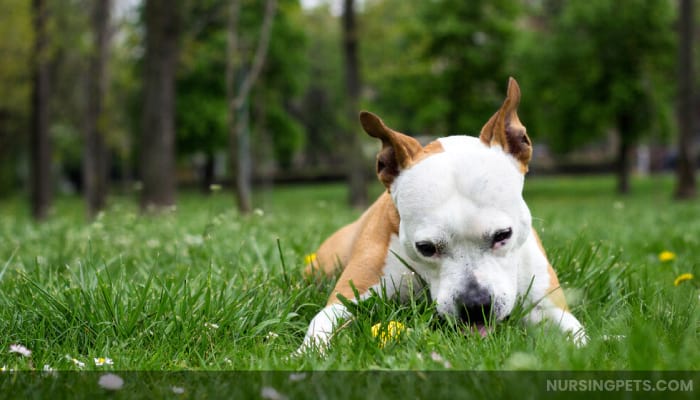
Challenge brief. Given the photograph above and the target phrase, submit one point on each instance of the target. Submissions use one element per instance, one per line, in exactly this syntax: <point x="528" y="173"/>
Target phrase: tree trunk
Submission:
<point x="40" y="142"/>
<point x="355" y="160"/>
<point x="243" y="162"/>
<point x="158" y="136"/>
<point x="208" y="172"/>
<point x="685" y="172"/>
<point x="624" y="150"/>
<point x="239" y="82"/>
<point x="95" y="154"/>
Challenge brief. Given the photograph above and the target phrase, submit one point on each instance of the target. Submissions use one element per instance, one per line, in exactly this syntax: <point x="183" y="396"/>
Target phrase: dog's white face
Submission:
<point x="463" y="222"/>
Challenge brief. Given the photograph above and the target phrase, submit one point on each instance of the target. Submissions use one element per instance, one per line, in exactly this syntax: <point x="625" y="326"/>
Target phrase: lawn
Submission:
<point x="202" y="288"/>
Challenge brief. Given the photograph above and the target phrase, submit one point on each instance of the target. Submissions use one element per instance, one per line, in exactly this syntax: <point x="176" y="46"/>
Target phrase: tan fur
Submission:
<point x="368" y="249"/>
<point x="505" y="129"/>
<point x="360" y="249"/>
<point x="554" y="293"/>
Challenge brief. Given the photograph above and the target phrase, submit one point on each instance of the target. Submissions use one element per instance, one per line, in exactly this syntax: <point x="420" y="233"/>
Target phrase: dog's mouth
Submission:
<point x="479" y="319"/>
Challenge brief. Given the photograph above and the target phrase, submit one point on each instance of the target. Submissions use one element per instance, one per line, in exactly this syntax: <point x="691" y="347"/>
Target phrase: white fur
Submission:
<point x="461" y="197"/>
<point x="322" y="326"/>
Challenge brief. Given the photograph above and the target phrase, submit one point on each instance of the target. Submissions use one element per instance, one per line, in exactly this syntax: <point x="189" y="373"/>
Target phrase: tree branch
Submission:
<point x="260" y="52"/>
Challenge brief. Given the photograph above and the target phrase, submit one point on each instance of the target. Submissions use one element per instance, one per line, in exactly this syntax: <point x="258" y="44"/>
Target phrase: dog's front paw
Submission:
<point x="569" y="324"/>
<point x="580" y="338"/>
<point x="321" y="328"/>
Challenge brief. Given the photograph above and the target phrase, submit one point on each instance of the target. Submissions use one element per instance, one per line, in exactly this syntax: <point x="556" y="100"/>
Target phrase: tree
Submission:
<point x="598" y="66"/>
<point x="40" y="144"/>
<point x="354" y="160"/>
<point x="95" y="154"/>
<point x="15" y="86"/>
<point x="201" y="104"/>
<point x="322" y="106"/>
<point x="469" y="47"/>
<point x="685" y="172"/>
<point x="162" y="20"/>
<point x="240" y="79"/>
<point x="399" y="78"/>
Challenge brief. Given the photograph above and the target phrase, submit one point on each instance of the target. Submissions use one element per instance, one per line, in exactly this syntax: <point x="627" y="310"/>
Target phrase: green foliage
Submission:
<point x="469" y="46"/>
<point x="321" y="108"/>
<point x="202" y="107"/>
<point x="440" y="67"/>
<point x="280" y="89"/>
<point x="15" y="48"/>
<point x="287" y="135"/>
<point x="600" y="65"/>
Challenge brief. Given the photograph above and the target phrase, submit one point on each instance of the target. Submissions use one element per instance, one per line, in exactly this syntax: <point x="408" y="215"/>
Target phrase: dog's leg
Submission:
<point x="322" y="326"/>
<point x="546" y="311"/>
<point x="553" y="306"/>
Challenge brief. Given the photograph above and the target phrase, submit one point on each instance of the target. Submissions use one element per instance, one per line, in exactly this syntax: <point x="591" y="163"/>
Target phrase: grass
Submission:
<point x="202" y="288"/>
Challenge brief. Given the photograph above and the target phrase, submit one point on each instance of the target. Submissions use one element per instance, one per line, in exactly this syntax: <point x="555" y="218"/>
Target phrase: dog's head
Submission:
<point x="463" y="220"/>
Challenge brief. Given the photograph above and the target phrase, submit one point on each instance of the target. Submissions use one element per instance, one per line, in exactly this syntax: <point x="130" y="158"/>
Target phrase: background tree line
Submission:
<point x="154" y="93"/>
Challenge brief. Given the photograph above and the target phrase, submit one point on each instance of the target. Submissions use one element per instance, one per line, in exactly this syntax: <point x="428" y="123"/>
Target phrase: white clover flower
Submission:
<point x="49" y="371"/>
<point x="439" y="359"/>
<point x="75" y="361"/>
<point x="111" y="382"/>
<point x="194" y="240"/>
<point x="100" y="361"/>
<point x="271" y="393"/>
<point x="19" y="349"/>
<point x="296" y="377"/>
<point x="177" y="389"/>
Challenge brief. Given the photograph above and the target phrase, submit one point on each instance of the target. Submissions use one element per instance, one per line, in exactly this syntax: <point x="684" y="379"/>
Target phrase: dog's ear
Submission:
<point x="505" y="129"/>
<point x="398" y="150"/>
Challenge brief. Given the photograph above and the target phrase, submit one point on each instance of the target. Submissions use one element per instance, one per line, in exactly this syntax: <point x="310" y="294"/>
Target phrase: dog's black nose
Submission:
<point x="474" y="305"/>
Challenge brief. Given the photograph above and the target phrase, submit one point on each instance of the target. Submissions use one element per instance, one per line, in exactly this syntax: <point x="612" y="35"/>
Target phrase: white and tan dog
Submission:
<point x="453" y="211"/>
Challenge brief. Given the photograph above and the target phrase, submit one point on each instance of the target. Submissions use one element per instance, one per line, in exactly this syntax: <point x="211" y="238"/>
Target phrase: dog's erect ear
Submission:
<point x="398" y="150"/>
<point x="505" y="129"/>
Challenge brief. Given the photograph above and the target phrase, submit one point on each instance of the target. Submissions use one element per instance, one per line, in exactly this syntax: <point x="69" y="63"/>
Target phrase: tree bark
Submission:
<point x="158" y="136"/>
<point x="685" y="170"/>
<point x="239" y="83"/>
<point x="355" y="160"/>
<point x="40" y="141"/>
<point x="95" y="154"/>
<point x="208" y="170"/>
<point x="624" y="150"/>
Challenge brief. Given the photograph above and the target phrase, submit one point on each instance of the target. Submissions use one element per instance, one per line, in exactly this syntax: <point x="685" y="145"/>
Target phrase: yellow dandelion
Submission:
<point x="666" y="256"/>
<point x="682" y="278"/>
<point x="310" y="258"/>
<point x="393" y="331"/>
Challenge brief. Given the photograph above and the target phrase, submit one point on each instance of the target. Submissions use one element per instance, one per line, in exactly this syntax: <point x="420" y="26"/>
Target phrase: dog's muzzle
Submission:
<point x="474" y="305"/>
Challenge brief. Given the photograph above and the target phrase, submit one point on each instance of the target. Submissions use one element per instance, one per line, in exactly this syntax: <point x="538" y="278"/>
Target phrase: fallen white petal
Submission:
<point x="111" y="382"/>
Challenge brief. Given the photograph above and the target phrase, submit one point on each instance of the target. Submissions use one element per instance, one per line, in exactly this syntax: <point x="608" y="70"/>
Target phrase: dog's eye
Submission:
<point x="500" y="236"/>
<point x="427" y="249"/>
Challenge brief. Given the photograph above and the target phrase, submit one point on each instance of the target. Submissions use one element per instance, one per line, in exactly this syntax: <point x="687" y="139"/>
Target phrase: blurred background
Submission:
<point x="148" y="97"/>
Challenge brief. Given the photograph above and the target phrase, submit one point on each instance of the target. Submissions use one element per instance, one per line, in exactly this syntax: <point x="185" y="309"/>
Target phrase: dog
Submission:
<point x="452" y="218"/>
